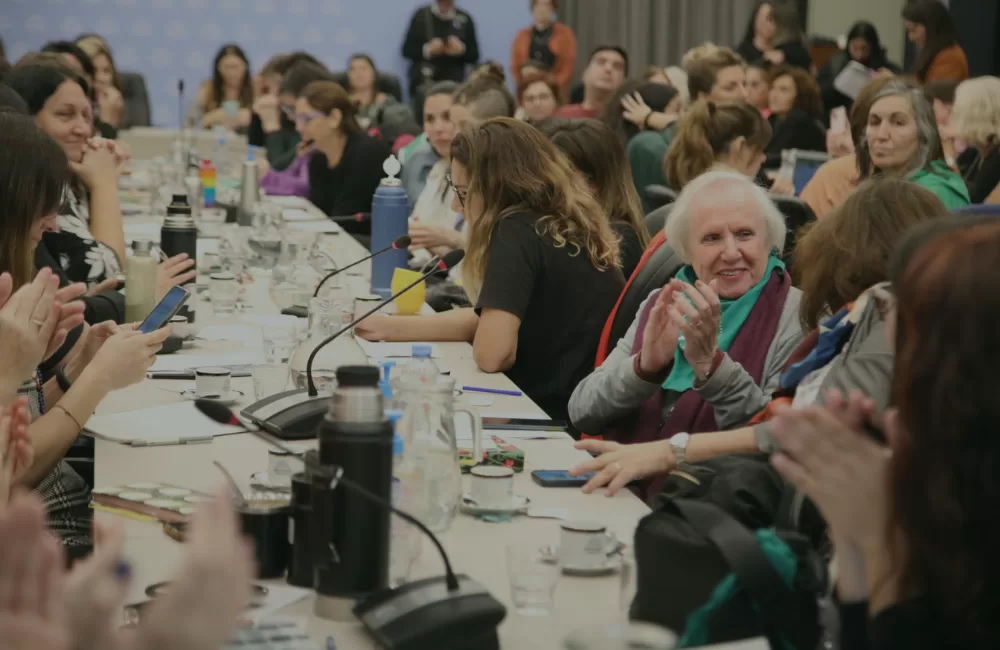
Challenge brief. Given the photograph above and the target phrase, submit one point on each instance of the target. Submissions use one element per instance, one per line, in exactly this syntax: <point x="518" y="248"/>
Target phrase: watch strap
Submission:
<point x="64" y="383"/>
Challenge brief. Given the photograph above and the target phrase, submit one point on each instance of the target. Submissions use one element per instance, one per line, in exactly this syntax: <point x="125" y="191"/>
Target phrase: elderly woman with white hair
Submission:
<point x="976" y="120"/>
<point x="706" y="351"/>
<point x="902" y="141"/>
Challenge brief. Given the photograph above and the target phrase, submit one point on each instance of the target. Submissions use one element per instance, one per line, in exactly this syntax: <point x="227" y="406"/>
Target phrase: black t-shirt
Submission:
<point x="562" y="301"/>
<point x="349" y="187"/>
<point x="983" y="175"/>
<point x="630" y="246"/>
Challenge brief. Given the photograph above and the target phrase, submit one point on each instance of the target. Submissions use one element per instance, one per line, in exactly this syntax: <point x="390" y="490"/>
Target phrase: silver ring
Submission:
<point x="37" y="323"/>
<point x="618" y="465"/>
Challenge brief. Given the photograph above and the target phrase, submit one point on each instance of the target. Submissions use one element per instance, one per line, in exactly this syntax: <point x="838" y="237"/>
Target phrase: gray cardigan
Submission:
<point x="865" y="364"/>
<point x="614" y="389"/>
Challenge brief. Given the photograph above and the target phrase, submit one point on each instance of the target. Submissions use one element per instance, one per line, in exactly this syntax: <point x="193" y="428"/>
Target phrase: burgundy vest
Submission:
<point x="691" y="413"/>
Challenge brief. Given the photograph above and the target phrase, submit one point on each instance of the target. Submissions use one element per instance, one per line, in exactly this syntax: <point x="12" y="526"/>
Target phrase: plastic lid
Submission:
<point x="142" y="246"/>
<point x="357" y="376"/>
<point x="387" y="367"/>
<point x="394" y="415"/>
<point x="179" y="198"/>
<point x="421" y="352"/>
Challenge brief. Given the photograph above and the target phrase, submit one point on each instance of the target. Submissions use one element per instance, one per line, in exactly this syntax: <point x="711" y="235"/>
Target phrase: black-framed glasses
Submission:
<point x="458" y="193"/>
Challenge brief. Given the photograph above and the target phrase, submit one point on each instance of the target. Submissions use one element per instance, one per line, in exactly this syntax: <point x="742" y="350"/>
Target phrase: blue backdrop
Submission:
<point x="170" y="39"/>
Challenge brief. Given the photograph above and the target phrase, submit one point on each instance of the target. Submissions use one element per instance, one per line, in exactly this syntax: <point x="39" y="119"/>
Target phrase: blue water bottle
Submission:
<point x="390" y="216"/>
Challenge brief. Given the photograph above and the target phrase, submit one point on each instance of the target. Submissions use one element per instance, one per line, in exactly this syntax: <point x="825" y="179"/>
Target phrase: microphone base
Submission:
<point x="424" y="615"/>
<point x="297" y="311"/>
<point x="291" y="415"/>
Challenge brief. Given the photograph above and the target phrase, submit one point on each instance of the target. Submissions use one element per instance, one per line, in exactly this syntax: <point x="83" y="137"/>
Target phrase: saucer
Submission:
<point x="518" y="505"/>
<point x="611" y="564"/>
<point x="233" y="396"/>
<point x="262" y="481"/>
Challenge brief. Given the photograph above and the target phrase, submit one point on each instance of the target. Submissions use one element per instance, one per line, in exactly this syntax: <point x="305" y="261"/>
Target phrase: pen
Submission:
<point x="493" y="391"/>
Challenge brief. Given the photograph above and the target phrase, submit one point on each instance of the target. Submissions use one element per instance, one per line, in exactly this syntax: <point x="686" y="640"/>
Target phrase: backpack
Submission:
<point x="701" y="571"/>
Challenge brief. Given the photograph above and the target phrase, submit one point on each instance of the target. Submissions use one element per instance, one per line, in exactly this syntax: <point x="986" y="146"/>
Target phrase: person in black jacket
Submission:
<point x="975" y="119"/>
<point x="440" y="44"/>
<point x="775" y="35"/>
<point x="796" y="111"/>
<point x="864" y="47"/>
<point x="910" y="496"/>
<point x="759" y="33"/>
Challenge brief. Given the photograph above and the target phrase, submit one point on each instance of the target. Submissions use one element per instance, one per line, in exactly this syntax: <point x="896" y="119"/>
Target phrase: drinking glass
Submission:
<point x="223" y="290"/>
<point x="411" y="301"/>
<point x="269" y="379"/>
<point x="533" y="573"/>
<point x="279" y="342"/>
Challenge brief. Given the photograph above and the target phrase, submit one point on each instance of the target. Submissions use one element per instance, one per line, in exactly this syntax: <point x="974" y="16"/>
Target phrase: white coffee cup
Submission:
<point x="585" y="544"/>
<point x="212" y="382"/>
<point x="492" y="486"/>
<point x="281" y="466"/>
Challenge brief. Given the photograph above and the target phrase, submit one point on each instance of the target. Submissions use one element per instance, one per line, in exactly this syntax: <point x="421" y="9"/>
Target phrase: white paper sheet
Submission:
<point x="385" y="350"/>
<point x="278" y="597"/>
<point x="246" y="334"/>
<point x="185" y="361"/>
<point x="172" y="424"/>
<point x="287" y="201"/>
<point x="295" y="214"/>
<point x="325" y="226"/>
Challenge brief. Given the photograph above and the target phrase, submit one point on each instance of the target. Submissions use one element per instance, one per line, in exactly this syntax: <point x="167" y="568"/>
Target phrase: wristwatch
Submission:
<point x="679" y="445"/>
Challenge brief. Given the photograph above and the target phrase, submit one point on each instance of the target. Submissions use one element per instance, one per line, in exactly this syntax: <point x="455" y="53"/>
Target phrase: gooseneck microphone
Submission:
<point x="448" y="262"/>
<point x="403" y="241"/>
<point x="224" y="415"/>
<point x="180" y="104"/>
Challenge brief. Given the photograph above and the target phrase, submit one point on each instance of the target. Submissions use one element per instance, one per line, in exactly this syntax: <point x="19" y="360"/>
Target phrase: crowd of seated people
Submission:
<point x="737" y="351"/>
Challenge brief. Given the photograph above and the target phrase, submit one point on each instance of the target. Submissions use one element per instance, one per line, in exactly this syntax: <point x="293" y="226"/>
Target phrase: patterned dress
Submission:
<point x="66" y="495"/>
<point x="81" y="257"/>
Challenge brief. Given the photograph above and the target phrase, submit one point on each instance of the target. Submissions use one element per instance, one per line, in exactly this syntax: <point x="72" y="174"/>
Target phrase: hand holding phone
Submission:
<point x="165" y="310"/>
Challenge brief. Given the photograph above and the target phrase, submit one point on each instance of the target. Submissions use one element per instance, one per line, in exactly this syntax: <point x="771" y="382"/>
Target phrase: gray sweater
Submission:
<point x="614" y="389"/>
<point x="865" y="364"/>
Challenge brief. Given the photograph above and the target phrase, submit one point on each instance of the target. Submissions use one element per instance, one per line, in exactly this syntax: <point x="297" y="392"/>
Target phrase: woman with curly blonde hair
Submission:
<point x="541" y="265"/>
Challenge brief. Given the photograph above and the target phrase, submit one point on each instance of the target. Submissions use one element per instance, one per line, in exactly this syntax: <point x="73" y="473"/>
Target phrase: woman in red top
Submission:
<point x="547" y="45"/>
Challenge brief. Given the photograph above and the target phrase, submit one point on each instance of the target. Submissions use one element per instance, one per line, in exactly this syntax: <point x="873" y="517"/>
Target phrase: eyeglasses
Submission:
<point x="305" y="118"/>
<point x="461" y="194"/>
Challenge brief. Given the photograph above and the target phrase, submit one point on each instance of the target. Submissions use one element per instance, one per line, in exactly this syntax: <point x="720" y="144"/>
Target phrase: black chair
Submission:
<point x="656" y="219"/>
<point x="659" y="268"/>
<point x="388" y="83"/>
<point x="137" y="112"/>
<point x="797" y="214"/>
<point x="659" y="195"/>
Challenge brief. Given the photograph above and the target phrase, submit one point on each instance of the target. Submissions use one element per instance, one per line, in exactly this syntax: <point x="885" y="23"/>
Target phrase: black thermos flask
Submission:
<point x="351" y="533"/>
<point x="179" y="233"/>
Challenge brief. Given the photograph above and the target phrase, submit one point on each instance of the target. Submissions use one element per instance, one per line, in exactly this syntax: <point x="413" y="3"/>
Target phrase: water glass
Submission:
<point x="223" y="290"/>
<point x="279" y="342"/>
<point x="533" y="572"/>
<point x="269" y="379"/>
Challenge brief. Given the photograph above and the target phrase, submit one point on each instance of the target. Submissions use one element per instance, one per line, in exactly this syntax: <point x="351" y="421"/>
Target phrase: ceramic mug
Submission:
<point x="585" y="544"/>
<point x="212" y="382"/>
<point x="411" y="301"/>
<point x="281" y="466"/>
<point x="492" y="486"/>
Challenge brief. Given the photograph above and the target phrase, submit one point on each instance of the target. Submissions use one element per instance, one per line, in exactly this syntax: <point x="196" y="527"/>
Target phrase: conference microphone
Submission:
<point x="402" y="242"/>
<point x="180" y="104"/>
<point x="416" y="615"/>
<point x="296" y="414"/>
<point x="448" y="262"/>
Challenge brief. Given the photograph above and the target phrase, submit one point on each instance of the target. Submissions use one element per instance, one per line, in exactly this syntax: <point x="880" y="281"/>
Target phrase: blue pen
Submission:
<point x="493" y="391"/>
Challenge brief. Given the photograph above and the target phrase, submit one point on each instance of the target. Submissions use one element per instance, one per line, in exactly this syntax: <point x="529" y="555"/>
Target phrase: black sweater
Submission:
<point x="426" y="25"/>
<point x="797" y="130"/>
<point x="983" y="175"/>
<point x="349" y="187"/>
<point x="909" y="625"/>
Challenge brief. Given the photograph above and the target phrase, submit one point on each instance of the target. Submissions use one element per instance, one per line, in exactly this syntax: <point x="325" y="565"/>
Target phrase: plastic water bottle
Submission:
<point x="421" y="371"/>
<point x="406" y="481"/>
<point x="390" y="219"/>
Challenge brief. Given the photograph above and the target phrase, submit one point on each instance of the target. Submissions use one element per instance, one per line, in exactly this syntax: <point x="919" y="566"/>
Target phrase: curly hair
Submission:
<point x="513" y="168"/>
<point x="807" y="95"/>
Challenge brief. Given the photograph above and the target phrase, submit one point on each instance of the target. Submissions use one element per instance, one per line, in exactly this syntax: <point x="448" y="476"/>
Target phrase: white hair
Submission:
<point x="702" y="192"/>
<point x="976" y="115"/>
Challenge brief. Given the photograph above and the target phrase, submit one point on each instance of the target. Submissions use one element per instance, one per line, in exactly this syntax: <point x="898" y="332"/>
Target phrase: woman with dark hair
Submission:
<point x="33" y="174"/>
<point x="759" y="86"/>
<point x="916" y="562"/>
<point x="346" y="167"/>
<point x="864" y="47"/>
<point x="930" y="28"/>
<point x="639" y="106"/>
<point x="107" y="85"/>
<point x="796" y="114"/>
<point x="363" y="87"/>
<point x="597" y="154"/>
<point x="541" y="264"/>
<point x="759" y="33"/>
<point x="78" y="60"/>
<point x="902" y="141"/>
<point x="227" y="98"/>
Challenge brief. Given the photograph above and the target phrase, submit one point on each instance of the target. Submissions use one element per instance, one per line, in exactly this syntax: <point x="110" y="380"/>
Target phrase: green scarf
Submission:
<point x="734" y="314"/>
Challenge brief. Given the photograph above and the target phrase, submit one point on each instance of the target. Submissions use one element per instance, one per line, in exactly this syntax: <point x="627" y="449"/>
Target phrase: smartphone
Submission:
<point x="167" y="309"/>
<point x="521" y="424"/>
<point x="838" y="120"/>
<point x="559" y="478"/>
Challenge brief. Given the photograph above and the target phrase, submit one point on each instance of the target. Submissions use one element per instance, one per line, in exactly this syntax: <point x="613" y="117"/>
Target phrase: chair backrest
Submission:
<point x="654" y="274"/>
<point x="388" y="83"/>
<point x="136" y="100"/>
<point x="797" y="214"/>
<point x="659" y="195"/>
<point x="658" y="217"/>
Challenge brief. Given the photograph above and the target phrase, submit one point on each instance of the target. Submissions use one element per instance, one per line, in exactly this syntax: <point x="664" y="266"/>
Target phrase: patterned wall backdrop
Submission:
<point x="170" y="39"/>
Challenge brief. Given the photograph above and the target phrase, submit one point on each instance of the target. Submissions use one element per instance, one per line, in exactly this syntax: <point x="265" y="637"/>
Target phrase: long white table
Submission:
<point x="476" y="547"/>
